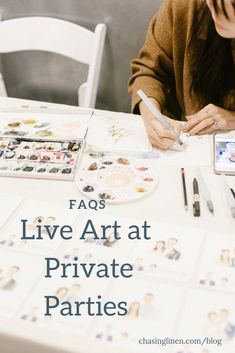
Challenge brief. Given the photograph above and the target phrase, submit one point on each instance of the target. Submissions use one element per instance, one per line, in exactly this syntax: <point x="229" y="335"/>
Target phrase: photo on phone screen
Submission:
<point x="224" y="154"/>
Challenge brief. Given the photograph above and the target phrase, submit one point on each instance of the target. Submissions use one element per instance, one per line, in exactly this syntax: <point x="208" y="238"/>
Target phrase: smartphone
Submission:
<point x="224" y="154"/>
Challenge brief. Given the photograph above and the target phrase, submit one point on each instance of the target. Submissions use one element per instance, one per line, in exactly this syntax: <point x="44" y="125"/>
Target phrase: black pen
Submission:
<point x="196" y="198"/>
<point x="233" y="192"/>
<point x="184" y="189"/>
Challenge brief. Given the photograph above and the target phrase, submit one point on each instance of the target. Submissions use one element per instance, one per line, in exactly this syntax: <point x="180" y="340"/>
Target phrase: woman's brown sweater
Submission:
<point x="163" y="67"/>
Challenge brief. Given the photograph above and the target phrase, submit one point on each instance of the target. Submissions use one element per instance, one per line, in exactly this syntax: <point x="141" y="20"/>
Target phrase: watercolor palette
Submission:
<point x="44" y="126"/>
<point x="47" y="159"/>
<point x="116" y="178"/>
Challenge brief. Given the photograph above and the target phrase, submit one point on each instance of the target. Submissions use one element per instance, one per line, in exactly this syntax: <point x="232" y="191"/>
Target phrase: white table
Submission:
<point x="164" y="204"/>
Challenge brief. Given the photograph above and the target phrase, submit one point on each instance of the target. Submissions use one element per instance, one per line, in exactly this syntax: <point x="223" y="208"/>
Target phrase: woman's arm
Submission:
<point x="153" y="71"/>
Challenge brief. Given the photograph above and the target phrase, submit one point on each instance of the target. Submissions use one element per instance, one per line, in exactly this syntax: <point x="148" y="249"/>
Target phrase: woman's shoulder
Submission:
<point x="186" y="4"/>
<point x="178" y="14"/>
<point x="178" y="10"/>
<point x="180" y="7"/>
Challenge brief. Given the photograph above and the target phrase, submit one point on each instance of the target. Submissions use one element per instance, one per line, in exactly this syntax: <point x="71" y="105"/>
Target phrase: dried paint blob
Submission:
<point x="51" y="147"/>
<point x="148" y="179"/>
<point x="15" y="133"/>
<point x="44" y="133"/>
<point x="33" y="157"/>
<point x="74" y="146"/>
<point x="21" y="156"/>
<point x="28" y="168"/>
<point x="26" y="147"/>
<point x="88" y="188"/>
<point x="96" y="154"/>
<point x="54" y="170"/>
<point x="141" y="190"/>
<point x="41" y="125"/>
<point x="93" y="166"/>
<point x="41" y="170"/>
<point x="29" y="121"/>
<point x="123" y="161"/>
<point x="14" y="124"/>
<point x="142" y="169"/>
<point x="104" y="196"/>
<point x="66" y="171"/>
<point x="45" y="158"/>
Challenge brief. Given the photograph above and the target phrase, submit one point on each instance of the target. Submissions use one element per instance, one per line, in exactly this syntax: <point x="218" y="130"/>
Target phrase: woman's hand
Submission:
<point x="158" y="135"/>
<point x="210" y="119"/>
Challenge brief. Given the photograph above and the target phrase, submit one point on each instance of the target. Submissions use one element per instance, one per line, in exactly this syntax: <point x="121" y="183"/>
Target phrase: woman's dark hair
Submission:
<point x="212" y="70"/>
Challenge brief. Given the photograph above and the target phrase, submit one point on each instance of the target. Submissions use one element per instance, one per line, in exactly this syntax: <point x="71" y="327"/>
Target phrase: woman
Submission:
<point x="186" y="67"/>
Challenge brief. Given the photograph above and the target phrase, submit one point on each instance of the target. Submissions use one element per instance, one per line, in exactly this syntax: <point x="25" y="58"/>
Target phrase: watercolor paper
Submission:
<point x="171" y="253"/>
<point x="210" y="315"/>
<point x="9" y="203"/>
<point x="36" y="213"/>
<point x="217" y="270"/>
<point x="118" y="134"/>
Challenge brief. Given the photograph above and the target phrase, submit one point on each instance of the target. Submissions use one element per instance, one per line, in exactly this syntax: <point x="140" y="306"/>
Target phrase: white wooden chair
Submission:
<point x="61" y="37"/>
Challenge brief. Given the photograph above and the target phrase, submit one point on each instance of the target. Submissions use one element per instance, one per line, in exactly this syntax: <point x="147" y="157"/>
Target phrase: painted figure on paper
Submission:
<point x="32" y="316"/>
<point x="107" y="335"/>
<point x="7" y="279"/>
<point x="133" y="310"/>
<point x="148" y="310"/>
<point x="208" y="280"/>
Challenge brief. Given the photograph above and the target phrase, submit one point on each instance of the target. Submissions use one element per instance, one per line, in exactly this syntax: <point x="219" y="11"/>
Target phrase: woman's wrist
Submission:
<point x="144" y="110"/>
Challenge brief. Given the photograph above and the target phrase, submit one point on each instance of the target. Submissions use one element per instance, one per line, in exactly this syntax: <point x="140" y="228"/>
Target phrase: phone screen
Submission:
<point x="224" y="158"/>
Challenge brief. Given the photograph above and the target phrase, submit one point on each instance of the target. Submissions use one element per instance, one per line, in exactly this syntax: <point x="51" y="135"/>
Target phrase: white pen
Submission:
<point x="228" y="195"/>
<point x="158" y="115"/>
<point x="205" y="191"/>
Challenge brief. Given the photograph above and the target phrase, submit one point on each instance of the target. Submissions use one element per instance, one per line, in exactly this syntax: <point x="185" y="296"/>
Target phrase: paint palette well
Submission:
<point x="33" y="158"/>
<point x="116" y="178"/>
<point x="44" y="126"/>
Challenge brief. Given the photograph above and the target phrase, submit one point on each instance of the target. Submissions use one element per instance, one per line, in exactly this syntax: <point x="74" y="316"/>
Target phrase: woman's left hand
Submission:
<point x="210" y="119"/>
